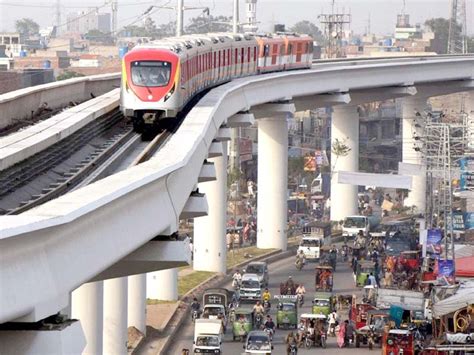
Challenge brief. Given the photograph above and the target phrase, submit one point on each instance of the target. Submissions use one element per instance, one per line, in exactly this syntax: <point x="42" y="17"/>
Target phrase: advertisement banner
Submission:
<point x="446" y="272"/>
<point x="458" y="221"/>
<point x="469" y="220"/>
<point x="396" y="314"/>
<point x="321" y="158"/>
<point x="245" y="146"/>
<point x="433" y="241"/>
<point x="309" y="163"/>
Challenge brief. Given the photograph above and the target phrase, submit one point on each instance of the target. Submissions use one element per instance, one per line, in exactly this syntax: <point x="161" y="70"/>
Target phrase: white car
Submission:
<point x="250" y="288"/>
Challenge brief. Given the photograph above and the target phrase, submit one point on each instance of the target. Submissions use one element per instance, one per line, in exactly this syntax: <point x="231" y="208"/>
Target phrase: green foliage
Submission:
<point x="26" y="27"/>
<point x="340" y="148"/>
<point x="96" y="36"/>
<point x="440" y="27"/>
<point x="68" y="75"/>
<point x="309" y="28"/>
<point x="206" y="24"/>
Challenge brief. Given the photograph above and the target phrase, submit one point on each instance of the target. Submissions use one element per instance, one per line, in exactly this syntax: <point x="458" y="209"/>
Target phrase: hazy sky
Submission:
<point x="382" y="12"/>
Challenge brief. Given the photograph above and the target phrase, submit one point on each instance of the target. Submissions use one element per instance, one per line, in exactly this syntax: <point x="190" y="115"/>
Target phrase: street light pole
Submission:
<point x="179" y="21"/>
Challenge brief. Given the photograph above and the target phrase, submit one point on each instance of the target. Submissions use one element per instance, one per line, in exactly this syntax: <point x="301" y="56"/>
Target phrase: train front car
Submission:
<point x="150" y="86"/>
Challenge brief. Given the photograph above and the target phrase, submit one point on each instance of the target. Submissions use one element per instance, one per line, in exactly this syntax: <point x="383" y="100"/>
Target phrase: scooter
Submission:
<point x="293" y="349"/>
<point x="269" y="332"/>
<point x="266" y="306"/>
<point x="258" y="320"/>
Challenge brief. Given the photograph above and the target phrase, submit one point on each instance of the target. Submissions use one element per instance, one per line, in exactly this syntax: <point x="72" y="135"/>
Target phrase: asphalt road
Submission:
<point x="279" y="271"/>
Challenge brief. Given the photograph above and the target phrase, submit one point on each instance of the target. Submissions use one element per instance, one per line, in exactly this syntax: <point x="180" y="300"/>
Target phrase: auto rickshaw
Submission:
<point x="242" y="323"/>
<point x="287" y="312"/>
<point x="410" y="260"/>
<point x="323" y="303"/>
<point x="318" y="336"/>
<point x="363" y="270"/>
<point x="358" y="312"/>
<point x="398" y="341"/>
<point x="377" y="319"/>
<point x="323" y="278"/>
<point x="327" y="258"/>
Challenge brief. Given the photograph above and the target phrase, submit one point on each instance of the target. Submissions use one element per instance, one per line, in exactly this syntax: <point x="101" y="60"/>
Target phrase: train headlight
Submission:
<point x="168" y="95"/>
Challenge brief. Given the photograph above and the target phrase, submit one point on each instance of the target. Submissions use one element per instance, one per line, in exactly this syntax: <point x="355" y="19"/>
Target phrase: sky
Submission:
<point x="382" y="12"/>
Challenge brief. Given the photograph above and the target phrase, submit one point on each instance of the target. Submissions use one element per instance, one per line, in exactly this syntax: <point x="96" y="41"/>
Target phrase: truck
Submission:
<point x="208" y="334"/>
<point x="353" y="224"/>
<point x="215" y="302"/>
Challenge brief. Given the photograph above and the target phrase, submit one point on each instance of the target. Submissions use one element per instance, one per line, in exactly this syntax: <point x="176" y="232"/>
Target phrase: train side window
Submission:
<point x="266" y="50"/>
<point x="290" y="49"/>
<point x="311" y="47"/>
<point x="236" y="55"/>
<point x="248" y="55"/>
<point x="215" y="62"/>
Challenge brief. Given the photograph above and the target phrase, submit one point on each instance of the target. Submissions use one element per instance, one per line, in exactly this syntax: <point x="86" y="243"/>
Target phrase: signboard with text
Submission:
<point x="433" y="241"/>
<point x="446" y="272"/>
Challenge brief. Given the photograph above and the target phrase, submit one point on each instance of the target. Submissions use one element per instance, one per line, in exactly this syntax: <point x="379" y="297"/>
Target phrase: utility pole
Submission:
<point x="457" y="39"/>
<point x="334" y="29"/>
<point x="114" y="8"/>
<point x="179" y="20"/>
<point x="235" y="18"/>
<point x="58" y="16"/>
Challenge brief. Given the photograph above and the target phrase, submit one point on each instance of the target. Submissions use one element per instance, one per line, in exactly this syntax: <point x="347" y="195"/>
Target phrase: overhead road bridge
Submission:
<point x="66" y="242"/>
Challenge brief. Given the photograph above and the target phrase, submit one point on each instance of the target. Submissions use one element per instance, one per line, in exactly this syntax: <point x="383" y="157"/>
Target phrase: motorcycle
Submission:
<point x="293" y="349"/>
<point x="322" y="340"/>
<point x="258" y="320"/>
<point x="269" y="331"/>
<point x="299" y="264"/>
<point x="300" y="299"/>
<point x="371" y="338"/>
<point x="194" y="315"/>
<point x="266" y="306"/>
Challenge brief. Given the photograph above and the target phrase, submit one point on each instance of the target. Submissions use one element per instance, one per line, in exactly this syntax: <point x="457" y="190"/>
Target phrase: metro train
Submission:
<point x="160" y="78"/>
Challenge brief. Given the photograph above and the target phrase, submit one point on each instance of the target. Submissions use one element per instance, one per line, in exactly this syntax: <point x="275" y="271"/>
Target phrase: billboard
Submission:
<point x="446" y="272"/>
<point x="433" y="241"/>
<point x="309" y="163"/>
<point x="467" y="173"/>
<point x="245" y="147"/>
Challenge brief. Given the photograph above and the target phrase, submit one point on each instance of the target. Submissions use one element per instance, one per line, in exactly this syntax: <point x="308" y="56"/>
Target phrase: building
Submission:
<point x="85" y="21"/>
<point x="13" y="44"/>
<point x="250" y="16"/>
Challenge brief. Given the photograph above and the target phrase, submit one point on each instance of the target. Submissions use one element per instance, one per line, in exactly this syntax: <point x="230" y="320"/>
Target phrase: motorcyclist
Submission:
<point x="257" y="309"/>
<point x="300" y="291"/>
<point x="270" y="325"/>
<point x="196" y="306"/>
<point x="290" y="340"/>
<point x="236" y="278"/>
<point x="300" y="257"/>
<point x="290" y="285"/>
<point x="266" y="297"/>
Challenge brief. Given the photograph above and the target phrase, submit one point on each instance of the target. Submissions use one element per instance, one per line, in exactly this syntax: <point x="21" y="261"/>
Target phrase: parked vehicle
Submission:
<point x="208" y="334"/>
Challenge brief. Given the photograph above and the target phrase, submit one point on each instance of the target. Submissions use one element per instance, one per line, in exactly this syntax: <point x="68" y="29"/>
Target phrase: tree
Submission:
<point x="339" y="149"/>
<point x="309" y="28"/>
<point x="206" y="24"/>
<point x="97" y="36"/>
<point x="26" y="27"/>
<point x="440" y="28"/>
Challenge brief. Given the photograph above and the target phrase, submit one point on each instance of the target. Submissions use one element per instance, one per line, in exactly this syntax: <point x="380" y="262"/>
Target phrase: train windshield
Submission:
<point x="151" y="73"/>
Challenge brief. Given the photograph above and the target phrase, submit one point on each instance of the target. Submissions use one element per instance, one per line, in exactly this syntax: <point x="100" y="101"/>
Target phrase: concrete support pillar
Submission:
<point x="272" y="181"/>
<point x="411" y="128"/>
<point x="137" y="302"/>
<point x="162" y="285"/>
<point x="88" y="306"/>
<point x="210" y="253"/>
<point x="345" y="129"/>
<point x="115" y="316"/>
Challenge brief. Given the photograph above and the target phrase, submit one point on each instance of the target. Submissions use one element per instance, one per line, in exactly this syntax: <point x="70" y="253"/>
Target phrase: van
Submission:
<point x="250" y="288"/>
<point x="260" y="268"/>
<point x="208" y="334"/>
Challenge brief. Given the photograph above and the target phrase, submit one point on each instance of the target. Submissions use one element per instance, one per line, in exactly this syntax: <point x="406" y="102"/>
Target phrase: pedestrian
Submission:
<point x="388" y="279"/>
<point x="341" y="334"/>
<point x="349" y="332"/>
<point x="333" y="322"/>
<point x="372" y="280"/>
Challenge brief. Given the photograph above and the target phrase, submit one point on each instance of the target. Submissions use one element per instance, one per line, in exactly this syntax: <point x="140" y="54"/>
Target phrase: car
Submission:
<point x="260" y="268"/>
<point x="258" y="342"/>
<point x="250" y="289"/>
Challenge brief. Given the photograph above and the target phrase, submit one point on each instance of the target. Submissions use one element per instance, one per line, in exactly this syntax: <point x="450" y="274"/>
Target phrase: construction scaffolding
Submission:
<point x="443" y="146"/>
<point x="457" y="39"/>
